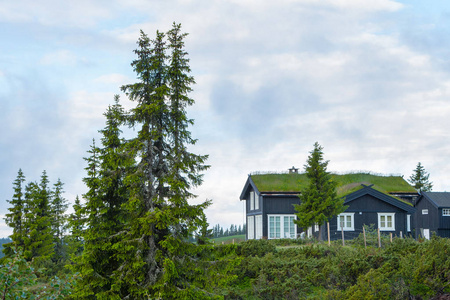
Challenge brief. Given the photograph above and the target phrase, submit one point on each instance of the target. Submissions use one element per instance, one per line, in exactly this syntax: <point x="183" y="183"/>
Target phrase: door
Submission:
<point x="426" y="233"/>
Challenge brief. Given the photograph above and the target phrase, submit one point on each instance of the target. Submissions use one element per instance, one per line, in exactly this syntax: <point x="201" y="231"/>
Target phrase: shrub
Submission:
<point x="255" y="248"/>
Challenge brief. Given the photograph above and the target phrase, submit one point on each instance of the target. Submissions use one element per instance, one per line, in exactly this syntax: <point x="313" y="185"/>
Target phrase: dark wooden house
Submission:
<point x="433" y="214"/>
<point x="270" y="212"/>
<point x="368" y="206"/>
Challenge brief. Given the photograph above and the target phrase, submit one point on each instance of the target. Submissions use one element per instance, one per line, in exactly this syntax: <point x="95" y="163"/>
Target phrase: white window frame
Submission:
<point x="408" y="223"/>
<point x="250" y="227"/>
<point x="258" y="227"/>
<point x="252" y="200"/>
<point x="345" y="227"/>
<point x="386" y="227"/>
<point x="425" y="211"/>
<point x="256" y="200"/>
<point x="281" y="227"/>
<point x="446" y="212"/>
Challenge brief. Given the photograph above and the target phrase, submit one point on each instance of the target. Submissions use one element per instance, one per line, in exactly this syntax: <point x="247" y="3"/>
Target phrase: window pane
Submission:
<point x="349" y="221"/>
<point x="389" y="221"/>
<point x="277" y="227"/>
<point x="382" y="221"/>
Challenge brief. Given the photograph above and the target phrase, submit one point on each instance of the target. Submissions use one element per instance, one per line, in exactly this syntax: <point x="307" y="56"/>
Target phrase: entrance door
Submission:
<point x="426" y="233"/>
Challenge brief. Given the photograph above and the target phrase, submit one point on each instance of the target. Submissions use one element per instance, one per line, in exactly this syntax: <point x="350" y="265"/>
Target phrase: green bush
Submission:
<point x="255" y="248"/>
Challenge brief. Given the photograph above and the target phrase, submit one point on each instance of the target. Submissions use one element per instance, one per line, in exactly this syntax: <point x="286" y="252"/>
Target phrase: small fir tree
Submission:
<point x="16" y="216"/>
<point x="59" y="222"/>
<point x="419" y="179"/>
<point x="318" y="201"/>
<point x="76" y="226"/>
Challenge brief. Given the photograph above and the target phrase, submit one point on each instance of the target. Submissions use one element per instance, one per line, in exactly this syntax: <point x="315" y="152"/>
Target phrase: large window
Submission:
<point x="258" y="227"/>
<point x="345" y="221"/>
<point x="250" y="228"/>
<point x="282" y="226"/>
<point x="386" y="221"/>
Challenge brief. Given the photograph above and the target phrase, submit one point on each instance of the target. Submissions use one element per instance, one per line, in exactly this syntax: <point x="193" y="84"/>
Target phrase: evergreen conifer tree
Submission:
<point x="16" y="216"/>
<point x="59" y="223"/>
<point x="76" y="226"/>
<point x="38" y="244"/>
<point x="105" y="215"/>
<point x="419" y="179"/>
<point x="162" y="219"/>
<point x="318" y="201"/>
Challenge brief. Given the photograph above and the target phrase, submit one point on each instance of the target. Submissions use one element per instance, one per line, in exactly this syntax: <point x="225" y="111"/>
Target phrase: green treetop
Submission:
<point x="419" y="179"/>
<point x="318" y="201"/>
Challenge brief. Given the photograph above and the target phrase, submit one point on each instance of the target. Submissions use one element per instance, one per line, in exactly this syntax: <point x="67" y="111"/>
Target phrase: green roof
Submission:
<point x="346" y="183"/>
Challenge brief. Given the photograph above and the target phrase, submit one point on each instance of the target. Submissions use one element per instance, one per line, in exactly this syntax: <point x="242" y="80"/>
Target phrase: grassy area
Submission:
<point x="229" y="239"/>
<point x="347" y="183"/>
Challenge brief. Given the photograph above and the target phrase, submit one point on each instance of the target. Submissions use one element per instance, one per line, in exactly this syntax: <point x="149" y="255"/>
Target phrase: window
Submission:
<point x="386" y="221"/>
<point x="256" y="200"/>
<point x="289" y="227"/>
<point x="424" y="211"/>
<point x="345" y="221"/>
<point x="408" y="223"/>
<point x="446" y="212"/>
<point x="282" y="226"/>
<point x="250" y="228"/>
<point x="258" y="227"/>
<point x="252" y="200"/>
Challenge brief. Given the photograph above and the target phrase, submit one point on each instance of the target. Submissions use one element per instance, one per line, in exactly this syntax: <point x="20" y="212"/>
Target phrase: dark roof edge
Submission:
<point x="248" y="183"/>
<point x="425" y="194"/>
<point x="386" y="198"/>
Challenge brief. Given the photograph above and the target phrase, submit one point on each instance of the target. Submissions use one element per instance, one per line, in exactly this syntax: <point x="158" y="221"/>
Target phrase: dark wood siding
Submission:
<point x="283" y="205"/>
<point x="444" y="221"/>
<point x="366" y="209"/>
<point x="429" y="221"/>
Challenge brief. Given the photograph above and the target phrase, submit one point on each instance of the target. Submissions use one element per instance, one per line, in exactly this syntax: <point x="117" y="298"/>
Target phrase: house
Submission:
<point x="368" y="206"/>
<point x="385" y="201"/>
<point x="433" y="214"/>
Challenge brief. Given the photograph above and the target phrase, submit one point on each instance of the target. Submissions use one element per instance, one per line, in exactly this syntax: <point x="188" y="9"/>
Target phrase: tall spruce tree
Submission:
<point x="162" y="218"/>
<point x="420" y="179"/>
<point x="318" y="201"/>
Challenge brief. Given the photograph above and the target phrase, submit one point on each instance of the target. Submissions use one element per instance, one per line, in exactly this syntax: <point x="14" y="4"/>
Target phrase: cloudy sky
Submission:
<point x="369" y="80"/>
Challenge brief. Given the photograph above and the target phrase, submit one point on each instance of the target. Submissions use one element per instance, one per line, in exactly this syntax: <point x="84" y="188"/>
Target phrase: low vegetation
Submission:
<point x="403" y="269"/>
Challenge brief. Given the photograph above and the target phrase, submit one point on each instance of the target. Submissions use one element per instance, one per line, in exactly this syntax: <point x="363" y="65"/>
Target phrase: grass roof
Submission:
<point x="346" y="184"/>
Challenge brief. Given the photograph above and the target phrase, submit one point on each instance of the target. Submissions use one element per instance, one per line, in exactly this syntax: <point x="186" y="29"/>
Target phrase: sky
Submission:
<point x="368" y="80"/>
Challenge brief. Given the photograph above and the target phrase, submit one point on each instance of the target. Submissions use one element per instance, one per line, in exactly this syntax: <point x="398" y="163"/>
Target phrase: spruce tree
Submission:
<point x="161" y="217"/>
<point x="16" y="216"/>
<point x="76" y="225"/>
<point x="58" y="208"/>
<point x="318" y="201"/>
<point x="38" y="244"/>
<point x="105" y="215"/>
<point x="419" y="179"/>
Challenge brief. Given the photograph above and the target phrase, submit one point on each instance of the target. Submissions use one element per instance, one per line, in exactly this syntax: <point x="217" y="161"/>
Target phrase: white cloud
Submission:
<point x="115" y="79"/>
<point x="61" y="57"/>
<point x="5" y="230"/>
<point x="272" y="78"/>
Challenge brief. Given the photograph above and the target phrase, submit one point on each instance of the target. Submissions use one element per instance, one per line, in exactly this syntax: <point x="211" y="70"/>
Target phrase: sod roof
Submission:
<point x="346" y="183"/>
